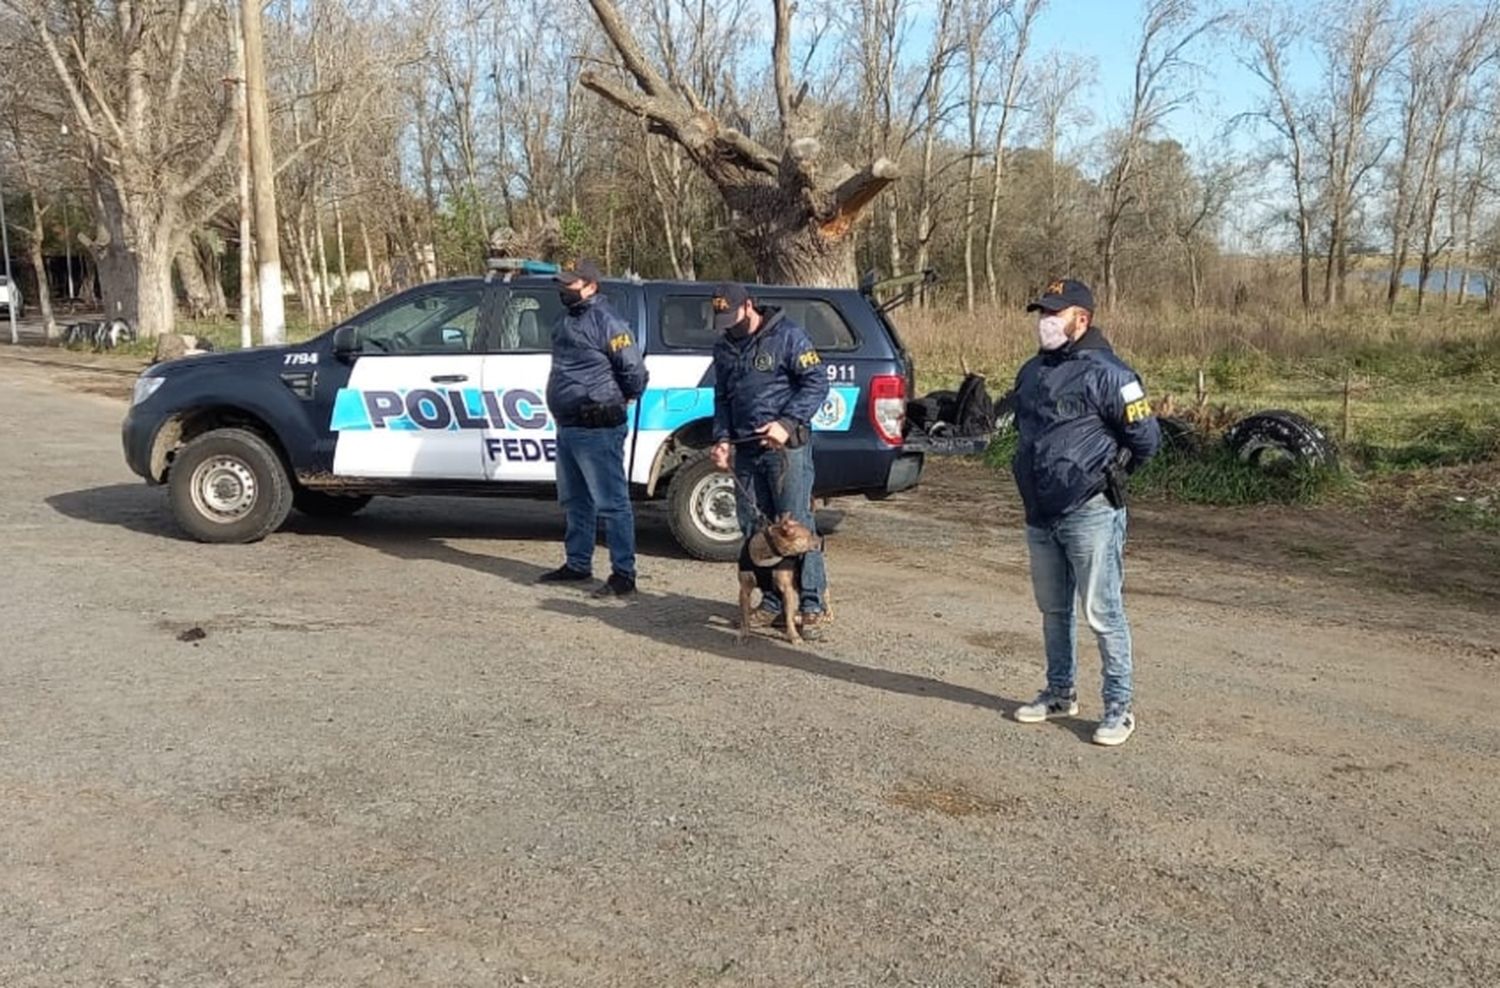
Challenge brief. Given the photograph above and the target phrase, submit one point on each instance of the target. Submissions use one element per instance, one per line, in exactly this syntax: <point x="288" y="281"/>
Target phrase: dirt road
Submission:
<point x="391" y="759"/>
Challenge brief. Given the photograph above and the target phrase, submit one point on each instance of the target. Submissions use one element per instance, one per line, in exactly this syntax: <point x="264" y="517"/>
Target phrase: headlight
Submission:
<point x="145" y="387"/>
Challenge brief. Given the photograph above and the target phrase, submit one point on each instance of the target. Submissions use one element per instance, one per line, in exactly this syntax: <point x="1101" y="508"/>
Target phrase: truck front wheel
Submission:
<point x="701" y="510"/>
<point x="229" y="485"/>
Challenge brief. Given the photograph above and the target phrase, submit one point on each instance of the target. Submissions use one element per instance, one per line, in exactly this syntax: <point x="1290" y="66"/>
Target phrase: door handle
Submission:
<point x="449" y="378"/>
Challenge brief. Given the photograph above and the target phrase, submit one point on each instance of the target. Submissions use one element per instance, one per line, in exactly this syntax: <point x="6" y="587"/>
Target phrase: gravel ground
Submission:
<point x="375" y="753"/>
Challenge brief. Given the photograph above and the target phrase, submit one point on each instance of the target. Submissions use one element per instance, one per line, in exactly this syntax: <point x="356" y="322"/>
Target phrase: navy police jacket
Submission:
<point x="1076" y="407"/>
<point x="774" y="374"/>
<point x="595" y="360"/>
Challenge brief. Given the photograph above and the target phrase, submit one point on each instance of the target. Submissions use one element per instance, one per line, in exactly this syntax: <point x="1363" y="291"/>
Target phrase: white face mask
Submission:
<point x="1052" y="331"/>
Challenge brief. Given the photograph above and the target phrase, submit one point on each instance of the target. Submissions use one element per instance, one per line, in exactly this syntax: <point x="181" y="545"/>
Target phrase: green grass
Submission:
<point x="1211" y="476"/>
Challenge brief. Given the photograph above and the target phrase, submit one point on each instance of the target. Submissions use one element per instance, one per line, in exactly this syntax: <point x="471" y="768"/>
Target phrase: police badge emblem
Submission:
<point x="763" y="362"/>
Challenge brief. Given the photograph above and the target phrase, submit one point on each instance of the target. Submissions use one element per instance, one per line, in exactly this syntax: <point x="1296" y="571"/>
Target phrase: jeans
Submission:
<point x="1081" y="555"/>
<point x="591" y="485"/>
<point x="781" y="486"/>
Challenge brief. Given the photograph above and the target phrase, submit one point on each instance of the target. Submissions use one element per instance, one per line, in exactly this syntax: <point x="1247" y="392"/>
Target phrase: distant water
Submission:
<point x="1411" y="276"/>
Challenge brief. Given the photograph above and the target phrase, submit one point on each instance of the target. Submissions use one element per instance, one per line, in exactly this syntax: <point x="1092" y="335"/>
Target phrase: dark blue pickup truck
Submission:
<point x="439" y="390"/>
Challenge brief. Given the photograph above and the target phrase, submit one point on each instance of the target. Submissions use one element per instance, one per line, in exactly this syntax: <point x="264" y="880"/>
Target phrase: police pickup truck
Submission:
<point x="439" y="390"/>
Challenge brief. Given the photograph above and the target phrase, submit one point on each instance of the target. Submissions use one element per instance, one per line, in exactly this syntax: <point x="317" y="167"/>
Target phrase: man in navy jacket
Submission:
<point x="1084" y="425"/>
<point x="769" y="383"/>
<point x="597" y="369"/>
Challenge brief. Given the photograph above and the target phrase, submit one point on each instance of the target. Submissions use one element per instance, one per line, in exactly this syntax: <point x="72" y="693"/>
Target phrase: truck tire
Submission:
<point x="229" y="485"/>
<point x="1276" y="439"/>
<point x="701" y="510"/>
<point x="319" y="504"/>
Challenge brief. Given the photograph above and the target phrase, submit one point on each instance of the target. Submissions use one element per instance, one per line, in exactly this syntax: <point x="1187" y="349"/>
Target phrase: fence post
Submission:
<point x="1202" y="391"/>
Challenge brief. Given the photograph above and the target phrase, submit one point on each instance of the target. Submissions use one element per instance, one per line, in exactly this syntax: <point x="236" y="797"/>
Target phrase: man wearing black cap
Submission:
<point x="769" y="383"/>
<point x="597" y="370"/>
<point x="1084" y="425"/>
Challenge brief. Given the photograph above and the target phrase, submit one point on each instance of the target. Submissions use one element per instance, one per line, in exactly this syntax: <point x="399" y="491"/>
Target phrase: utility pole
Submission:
<point x="267" y="243"/>
<point x="247" y="270"/>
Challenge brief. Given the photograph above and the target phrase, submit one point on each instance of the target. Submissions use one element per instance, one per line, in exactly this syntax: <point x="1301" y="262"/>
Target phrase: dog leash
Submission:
<point x="751" y="499"/>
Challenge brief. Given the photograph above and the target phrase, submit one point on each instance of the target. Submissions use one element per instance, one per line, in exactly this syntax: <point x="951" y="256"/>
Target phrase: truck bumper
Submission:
<point x="136" y="436"/>
<point x="905" y="472"/>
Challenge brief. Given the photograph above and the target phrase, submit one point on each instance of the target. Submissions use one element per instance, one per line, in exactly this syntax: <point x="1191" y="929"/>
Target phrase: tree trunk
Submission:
<point x="156" y="309"/>
<point x="893" y="231"/>
<point x="338" y="232"/>
<point x="38" y="234"/>
<point x="325" y="286"/>
<point x="364" y="236"/>
<point x="191" y="274"/>
<point x="1304" y="260"/>
<point x="133" y="251"/>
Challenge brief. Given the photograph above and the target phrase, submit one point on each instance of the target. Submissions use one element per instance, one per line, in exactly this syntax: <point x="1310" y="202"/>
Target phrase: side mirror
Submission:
<point x="346" y="344"/>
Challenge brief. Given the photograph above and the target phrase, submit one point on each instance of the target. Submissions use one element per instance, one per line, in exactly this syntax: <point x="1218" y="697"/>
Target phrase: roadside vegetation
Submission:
<point x="1413" y="404"/>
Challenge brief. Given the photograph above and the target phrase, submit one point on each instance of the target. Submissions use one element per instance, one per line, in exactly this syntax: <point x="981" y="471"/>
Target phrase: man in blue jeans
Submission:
<point x="597" y="370"/>
<point x="1084" y="425"/>
<point x="769" y="382"/>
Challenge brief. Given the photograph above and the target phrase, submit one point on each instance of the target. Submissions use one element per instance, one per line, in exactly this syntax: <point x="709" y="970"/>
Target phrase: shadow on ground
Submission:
<point x="420" y="529"/>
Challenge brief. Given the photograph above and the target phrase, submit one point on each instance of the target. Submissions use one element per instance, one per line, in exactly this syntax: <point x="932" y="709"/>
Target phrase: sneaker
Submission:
<point x="1116" y="727"/>
<point x="618" y="585"/>
<point x="811" y="623"/>
<point x="564" y="574"/>
<point x="763" y="618"/>
<point x="1049" y="703"/>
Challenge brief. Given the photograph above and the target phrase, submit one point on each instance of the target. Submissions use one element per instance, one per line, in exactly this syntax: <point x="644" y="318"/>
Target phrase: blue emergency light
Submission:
<point x="520" y="265"/>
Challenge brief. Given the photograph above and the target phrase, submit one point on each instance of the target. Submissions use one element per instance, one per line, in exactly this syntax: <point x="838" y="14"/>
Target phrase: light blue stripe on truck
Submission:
<point x="669" y="409"/>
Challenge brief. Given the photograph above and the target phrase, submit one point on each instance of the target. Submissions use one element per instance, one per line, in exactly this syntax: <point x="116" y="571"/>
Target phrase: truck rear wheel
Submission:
<point x="701" y="510"/>
<point x="229" y="485"/>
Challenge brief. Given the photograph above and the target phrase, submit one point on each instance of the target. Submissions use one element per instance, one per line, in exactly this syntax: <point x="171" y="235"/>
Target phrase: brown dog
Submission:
<point x="768" y="561"/>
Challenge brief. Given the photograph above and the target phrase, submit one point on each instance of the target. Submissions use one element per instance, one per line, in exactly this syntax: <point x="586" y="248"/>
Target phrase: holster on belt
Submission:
<point x="1116" y="477"/>
<point x="592" y="415"/>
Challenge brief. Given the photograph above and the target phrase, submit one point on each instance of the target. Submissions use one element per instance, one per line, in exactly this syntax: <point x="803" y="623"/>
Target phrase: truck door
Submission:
<point x="412" y="406"/>
<point x="520" y="443"/>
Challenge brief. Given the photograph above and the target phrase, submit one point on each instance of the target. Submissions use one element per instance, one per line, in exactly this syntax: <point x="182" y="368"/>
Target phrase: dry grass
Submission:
<point x="995" y="341"/>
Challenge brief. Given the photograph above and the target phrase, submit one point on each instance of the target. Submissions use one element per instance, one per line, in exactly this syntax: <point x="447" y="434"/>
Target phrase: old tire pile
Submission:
<point x="1278" y="440"/>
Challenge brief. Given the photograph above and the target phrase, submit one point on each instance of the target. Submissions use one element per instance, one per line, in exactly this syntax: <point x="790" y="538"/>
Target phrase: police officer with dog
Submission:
<point x="1084" y="425"/>
<point x="597" y="370"/>
<point x="769" y="383"/>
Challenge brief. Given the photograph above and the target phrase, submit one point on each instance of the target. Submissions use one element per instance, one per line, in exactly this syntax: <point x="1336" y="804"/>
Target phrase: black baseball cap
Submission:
<point x="1064" y="294"/>
<point x="581" y="271"/>
<point x="727" y="300"/>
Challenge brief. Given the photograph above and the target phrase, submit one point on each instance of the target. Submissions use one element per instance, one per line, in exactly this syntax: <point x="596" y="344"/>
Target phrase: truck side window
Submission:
<point x="530" y="315"/>
<point x="687" y="322"/>
<point x="439" y="320"/>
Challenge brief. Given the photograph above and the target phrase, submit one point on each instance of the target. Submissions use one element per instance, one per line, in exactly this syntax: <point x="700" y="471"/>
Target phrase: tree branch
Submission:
<point x="699" y="134"/>
<point x="854" y="194"/>
<point x="184" y="26"/>
<point x="624" y="42"/>
<point x="212" y="208"/>
<point x="228" y="127"/>
<point x="781" y="44"/>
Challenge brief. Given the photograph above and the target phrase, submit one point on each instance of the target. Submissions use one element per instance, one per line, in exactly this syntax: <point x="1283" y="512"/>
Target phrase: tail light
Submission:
<point x="888" y="407"/>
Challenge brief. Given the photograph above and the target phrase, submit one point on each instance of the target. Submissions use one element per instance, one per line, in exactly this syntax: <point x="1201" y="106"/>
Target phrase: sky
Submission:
<point x="1109" y="31"/>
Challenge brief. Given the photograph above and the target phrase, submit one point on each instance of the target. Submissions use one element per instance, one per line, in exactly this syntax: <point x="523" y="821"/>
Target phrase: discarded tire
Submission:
<point x="1279" y="439"/>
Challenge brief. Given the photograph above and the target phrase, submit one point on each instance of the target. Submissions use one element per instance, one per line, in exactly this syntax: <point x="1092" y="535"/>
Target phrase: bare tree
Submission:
<point x="1357" y="52"/>
<point x="1013" y="60"/>
<point x="154" y="128"/>
<point x="1471" y="46"/>
<point x="1440" y="60"/>
<point x="1168" y="30"/>
<point x="1270" y="33"/>
<point x="791" y="212"/>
